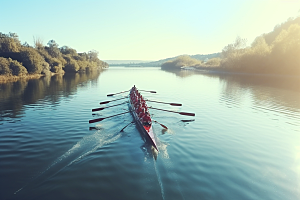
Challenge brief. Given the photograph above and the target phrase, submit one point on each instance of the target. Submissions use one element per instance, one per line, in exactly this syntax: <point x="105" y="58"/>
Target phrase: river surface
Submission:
<point x="244" y="142"/>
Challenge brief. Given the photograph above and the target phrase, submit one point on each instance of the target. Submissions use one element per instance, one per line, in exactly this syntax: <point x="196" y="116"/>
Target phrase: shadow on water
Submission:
<point x="81" y="149"/>
<point x="14" y="95"/>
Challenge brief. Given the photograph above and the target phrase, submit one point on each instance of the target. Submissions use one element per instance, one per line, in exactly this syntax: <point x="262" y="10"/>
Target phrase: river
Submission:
<point x="243" y="143"/>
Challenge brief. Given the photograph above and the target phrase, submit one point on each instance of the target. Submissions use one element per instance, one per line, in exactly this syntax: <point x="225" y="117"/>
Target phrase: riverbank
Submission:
<point x="222" y="70"/>
<point x="7" y="79"/>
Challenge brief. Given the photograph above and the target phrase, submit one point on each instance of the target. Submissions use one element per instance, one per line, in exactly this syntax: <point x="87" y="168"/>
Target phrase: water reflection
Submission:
<point x="14" y="95"/>
<point x="279" y="90"/>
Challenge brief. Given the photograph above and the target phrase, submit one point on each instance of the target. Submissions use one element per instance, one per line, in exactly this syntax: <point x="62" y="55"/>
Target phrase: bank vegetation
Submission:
<point x="277" y="52"/>
<point x="22" y="60"/>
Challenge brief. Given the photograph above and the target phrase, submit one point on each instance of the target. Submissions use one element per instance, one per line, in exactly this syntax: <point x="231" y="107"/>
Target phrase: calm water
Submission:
<point x="243" y="144"/>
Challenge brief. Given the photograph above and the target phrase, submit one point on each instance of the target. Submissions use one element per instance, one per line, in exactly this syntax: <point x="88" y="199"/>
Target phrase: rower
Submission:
<point x="141" y="114"/>
<point x="139" y="108"/>
<point x="144" y="105"/>
<point x="146" y="119"/>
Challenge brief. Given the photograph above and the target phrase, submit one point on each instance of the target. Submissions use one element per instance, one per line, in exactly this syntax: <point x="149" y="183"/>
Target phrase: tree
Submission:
<point x="9" y="42"/>
<point x="53" y="49"/>
<point x="68" y="50"/>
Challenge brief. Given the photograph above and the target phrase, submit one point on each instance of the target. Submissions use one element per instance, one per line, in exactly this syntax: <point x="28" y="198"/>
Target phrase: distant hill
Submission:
<point x="160" y="62"/>
<point x="117" y="62"/>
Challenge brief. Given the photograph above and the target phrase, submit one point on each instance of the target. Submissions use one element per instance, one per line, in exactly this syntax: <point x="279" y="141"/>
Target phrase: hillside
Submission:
<point x="160" y="62"/>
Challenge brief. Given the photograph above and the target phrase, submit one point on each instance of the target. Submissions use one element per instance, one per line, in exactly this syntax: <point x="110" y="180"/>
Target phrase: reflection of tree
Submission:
<point x="280" y="90"/>
<point x="283" y="91"/>
<point x="14" y="95"/>
<point x="181" y="73"/>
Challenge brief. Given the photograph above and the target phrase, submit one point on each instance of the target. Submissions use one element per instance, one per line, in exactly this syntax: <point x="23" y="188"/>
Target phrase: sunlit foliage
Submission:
<point x="33" y="61"/>
<point x="11" y="67"/>
<point x="17" y="59"/>
<point x="280" y="56"/>
<point x="277" y="52"/>
<point x="213" y="62"/>
<point x="181" y="61"/>
<point x="9" y="42"/>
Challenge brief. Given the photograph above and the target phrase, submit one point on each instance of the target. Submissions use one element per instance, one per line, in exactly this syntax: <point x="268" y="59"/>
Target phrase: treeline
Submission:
<point x="18" y="59"/>
<point x="277" y="52"/>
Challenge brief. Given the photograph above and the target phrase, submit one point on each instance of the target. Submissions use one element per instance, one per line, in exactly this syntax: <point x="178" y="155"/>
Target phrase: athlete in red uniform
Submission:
<point x="146" y="119"/>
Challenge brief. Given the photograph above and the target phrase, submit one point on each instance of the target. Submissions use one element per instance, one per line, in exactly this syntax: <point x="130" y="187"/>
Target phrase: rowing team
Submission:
<point x="140" y="106"/>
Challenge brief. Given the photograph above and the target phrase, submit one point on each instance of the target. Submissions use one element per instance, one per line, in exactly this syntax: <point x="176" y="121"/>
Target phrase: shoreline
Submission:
<point x="221" y="70"/>
<point x="11" y="79"/>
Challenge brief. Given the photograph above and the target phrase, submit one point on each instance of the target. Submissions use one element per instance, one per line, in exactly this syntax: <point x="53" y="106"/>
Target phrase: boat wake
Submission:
<point x="166" y="166"/>
<point x="81" y="149"/>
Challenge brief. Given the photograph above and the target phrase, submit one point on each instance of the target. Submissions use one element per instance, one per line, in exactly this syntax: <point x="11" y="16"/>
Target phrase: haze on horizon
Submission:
<point x="144" y="30"/>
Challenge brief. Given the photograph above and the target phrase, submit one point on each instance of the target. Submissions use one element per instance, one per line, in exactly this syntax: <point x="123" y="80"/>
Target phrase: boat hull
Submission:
<point x="146" y="130"/>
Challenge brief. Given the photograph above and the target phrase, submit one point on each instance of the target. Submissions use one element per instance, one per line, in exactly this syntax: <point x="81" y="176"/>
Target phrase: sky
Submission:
<point x="144" y="29"/>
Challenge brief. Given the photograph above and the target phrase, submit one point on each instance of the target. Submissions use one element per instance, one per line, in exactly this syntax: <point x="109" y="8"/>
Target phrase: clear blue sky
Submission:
<point x="144" y="29"/>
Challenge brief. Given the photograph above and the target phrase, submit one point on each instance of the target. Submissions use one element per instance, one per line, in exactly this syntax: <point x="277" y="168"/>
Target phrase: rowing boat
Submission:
<point x="145" y="129"/>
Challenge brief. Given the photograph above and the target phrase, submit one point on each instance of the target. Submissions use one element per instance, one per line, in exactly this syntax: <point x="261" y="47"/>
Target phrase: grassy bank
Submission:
<point x="5" y="79"/>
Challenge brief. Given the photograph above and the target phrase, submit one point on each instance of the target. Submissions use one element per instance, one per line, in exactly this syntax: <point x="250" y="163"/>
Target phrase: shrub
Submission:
<point x="4" y="66"/>
<point x="17" y="68"/>
<point x="72" y="66"/>
<point x="181" y="61"/>
<point x="213" y="62"/>
<point x="32" y="61"/>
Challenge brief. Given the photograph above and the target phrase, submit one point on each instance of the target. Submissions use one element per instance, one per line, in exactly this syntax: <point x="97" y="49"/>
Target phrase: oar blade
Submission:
<point x="97" y="109"/>
<point x="175" y="104"/>
<point x="188" y="120"/>
<point x="163" y="126"/>
<point x="96" y="120"/>
<point x="148" y="91"/>
<point x="109" y="95"/>
<point x="105" y="102"/>
<point x="188" y="114"/>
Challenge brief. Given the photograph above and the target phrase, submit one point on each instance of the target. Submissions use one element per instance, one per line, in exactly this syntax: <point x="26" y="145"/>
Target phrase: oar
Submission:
<point x="148" y="91"/>
<point x="181" y="113"/>
<point x="172" y="104"/>
<point x="104" y="102"/>
<point x="100" y="119"/>
<point x="187" y="120"/>
<point x="109" y="95"/>
<point x="94" y="128"/>
<point x="161" y="124"/>
<point x="97" y="109"/>
<point x="126" y="126"/>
